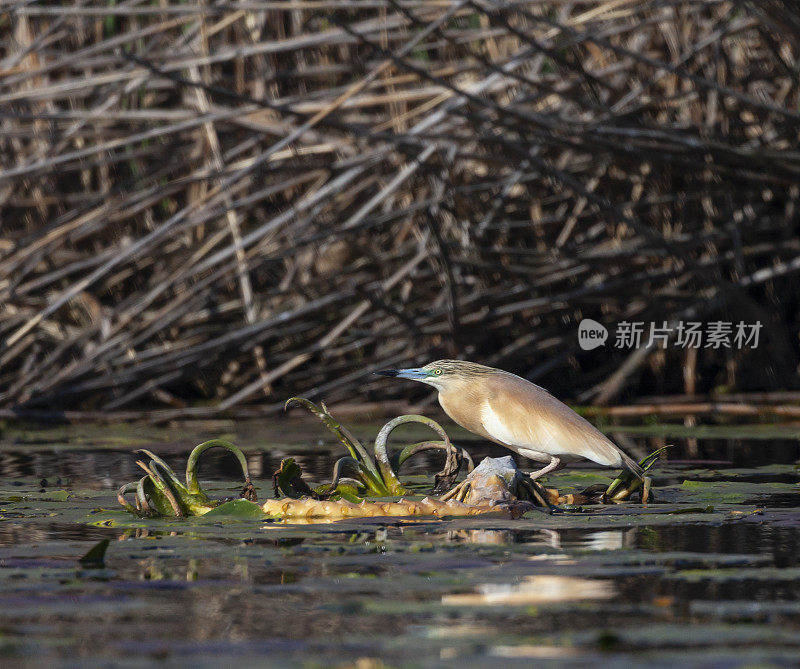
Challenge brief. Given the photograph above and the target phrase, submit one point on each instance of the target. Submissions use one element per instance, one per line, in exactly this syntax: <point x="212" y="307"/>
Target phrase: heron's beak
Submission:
<point x="413" y="374"/>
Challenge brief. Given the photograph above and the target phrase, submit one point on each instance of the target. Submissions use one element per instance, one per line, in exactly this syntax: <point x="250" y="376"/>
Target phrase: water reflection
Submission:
<point x="600" y="540"/>
<point x="594" y="540"/>
<point x="537" y="589"/>
<point x="109" y="468"/>
<point x="208" y="593"/>
<point x="78" y="459"/>
<point x="489" y="537"/>
<point x="88" y="452"/>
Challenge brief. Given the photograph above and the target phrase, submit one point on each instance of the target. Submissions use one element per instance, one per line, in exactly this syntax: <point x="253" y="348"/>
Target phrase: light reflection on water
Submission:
<point x="593" y="540"/>
<point x="458" y="591"/>
<point x="538" y="589"/>
<point x="102" y="467"/>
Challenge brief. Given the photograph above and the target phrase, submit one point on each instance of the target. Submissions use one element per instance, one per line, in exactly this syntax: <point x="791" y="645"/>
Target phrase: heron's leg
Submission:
<point x="555" y="463"/>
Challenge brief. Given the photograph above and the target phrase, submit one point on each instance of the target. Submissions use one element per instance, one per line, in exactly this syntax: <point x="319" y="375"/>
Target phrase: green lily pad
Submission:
<point x="238" y="508"/>
<point x="362" y="592"/>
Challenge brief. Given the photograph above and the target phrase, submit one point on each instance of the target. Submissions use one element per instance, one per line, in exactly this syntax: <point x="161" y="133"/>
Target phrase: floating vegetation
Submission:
<point x="378" y="475"/>
<point x="627" y="483"/>
<point x="683" y="581"/>
<point x="161" y="493"/>
<point x="373" y="487"/>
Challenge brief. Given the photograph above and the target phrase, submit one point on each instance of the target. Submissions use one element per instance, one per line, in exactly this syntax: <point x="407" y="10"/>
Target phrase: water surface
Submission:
<point x="709" y="575"/>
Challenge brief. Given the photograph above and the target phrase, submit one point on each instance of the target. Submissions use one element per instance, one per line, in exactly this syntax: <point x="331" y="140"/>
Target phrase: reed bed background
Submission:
<point x="209" y="207"/>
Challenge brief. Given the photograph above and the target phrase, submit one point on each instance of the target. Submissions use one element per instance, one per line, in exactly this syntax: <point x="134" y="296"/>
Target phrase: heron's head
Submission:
<point x="440" y="374"/>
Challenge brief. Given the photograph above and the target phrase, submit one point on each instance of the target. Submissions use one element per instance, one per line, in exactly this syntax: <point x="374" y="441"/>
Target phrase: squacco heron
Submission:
<point x="517" y="414"/>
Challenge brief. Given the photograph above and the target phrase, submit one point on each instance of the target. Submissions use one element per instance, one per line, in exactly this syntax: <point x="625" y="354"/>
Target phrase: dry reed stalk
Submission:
<point x="204" y="202"/>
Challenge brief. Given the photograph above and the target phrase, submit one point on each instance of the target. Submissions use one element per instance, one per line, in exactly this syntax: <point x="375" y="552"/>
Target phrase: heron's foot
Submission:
<point x="499" y="482"/>
<point x="458" y="492"/>
<point x="528" y="495"/>
<point x="530" y="489"/>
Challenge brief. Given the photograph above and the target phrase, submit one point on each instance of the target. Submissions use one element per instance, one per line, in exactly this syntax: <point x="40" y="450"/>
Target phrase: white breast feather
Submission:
<point x="543" y="437"/>
<point x="495" y="426"/>
<point x="543" y="440"/>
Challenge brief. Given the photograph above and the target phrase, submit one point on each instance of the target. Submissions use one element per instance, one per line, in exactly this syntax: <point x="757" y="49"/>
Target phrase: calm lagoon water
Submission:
<point x="708" y="575"/>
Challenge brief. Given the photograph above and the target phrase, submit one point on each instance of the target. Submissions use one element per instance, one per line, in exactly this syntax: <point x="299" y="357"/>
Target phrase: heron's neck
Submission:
<point x="461" y="400"/>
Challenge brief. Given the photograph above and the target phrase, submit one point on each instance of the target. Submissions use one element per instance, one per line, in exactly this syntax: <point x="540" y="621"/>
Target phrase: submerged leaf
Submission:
<point x="95" y="556"/>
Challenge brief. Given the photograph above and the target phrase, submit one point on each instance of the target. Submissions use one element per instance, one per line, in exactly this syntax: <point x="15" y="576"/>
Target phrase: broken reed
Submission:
<point x="211" y="206"/>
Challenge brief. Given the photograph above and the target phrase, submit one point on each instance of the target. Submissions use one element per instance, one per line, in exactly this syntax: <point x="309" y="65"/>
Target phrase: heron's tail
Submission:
<point x="631" y="465"/>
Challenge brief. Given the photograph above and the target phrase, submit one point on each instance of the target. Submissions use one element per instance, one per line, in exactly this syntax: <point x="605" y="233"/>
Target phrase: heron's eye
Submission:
<point x="437" y="371"/>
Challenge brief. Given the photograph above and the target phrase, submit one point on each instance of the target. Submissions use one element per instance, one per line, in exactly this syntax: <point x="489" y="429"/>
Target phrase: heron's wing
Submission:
<point x="518" y="413"/>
